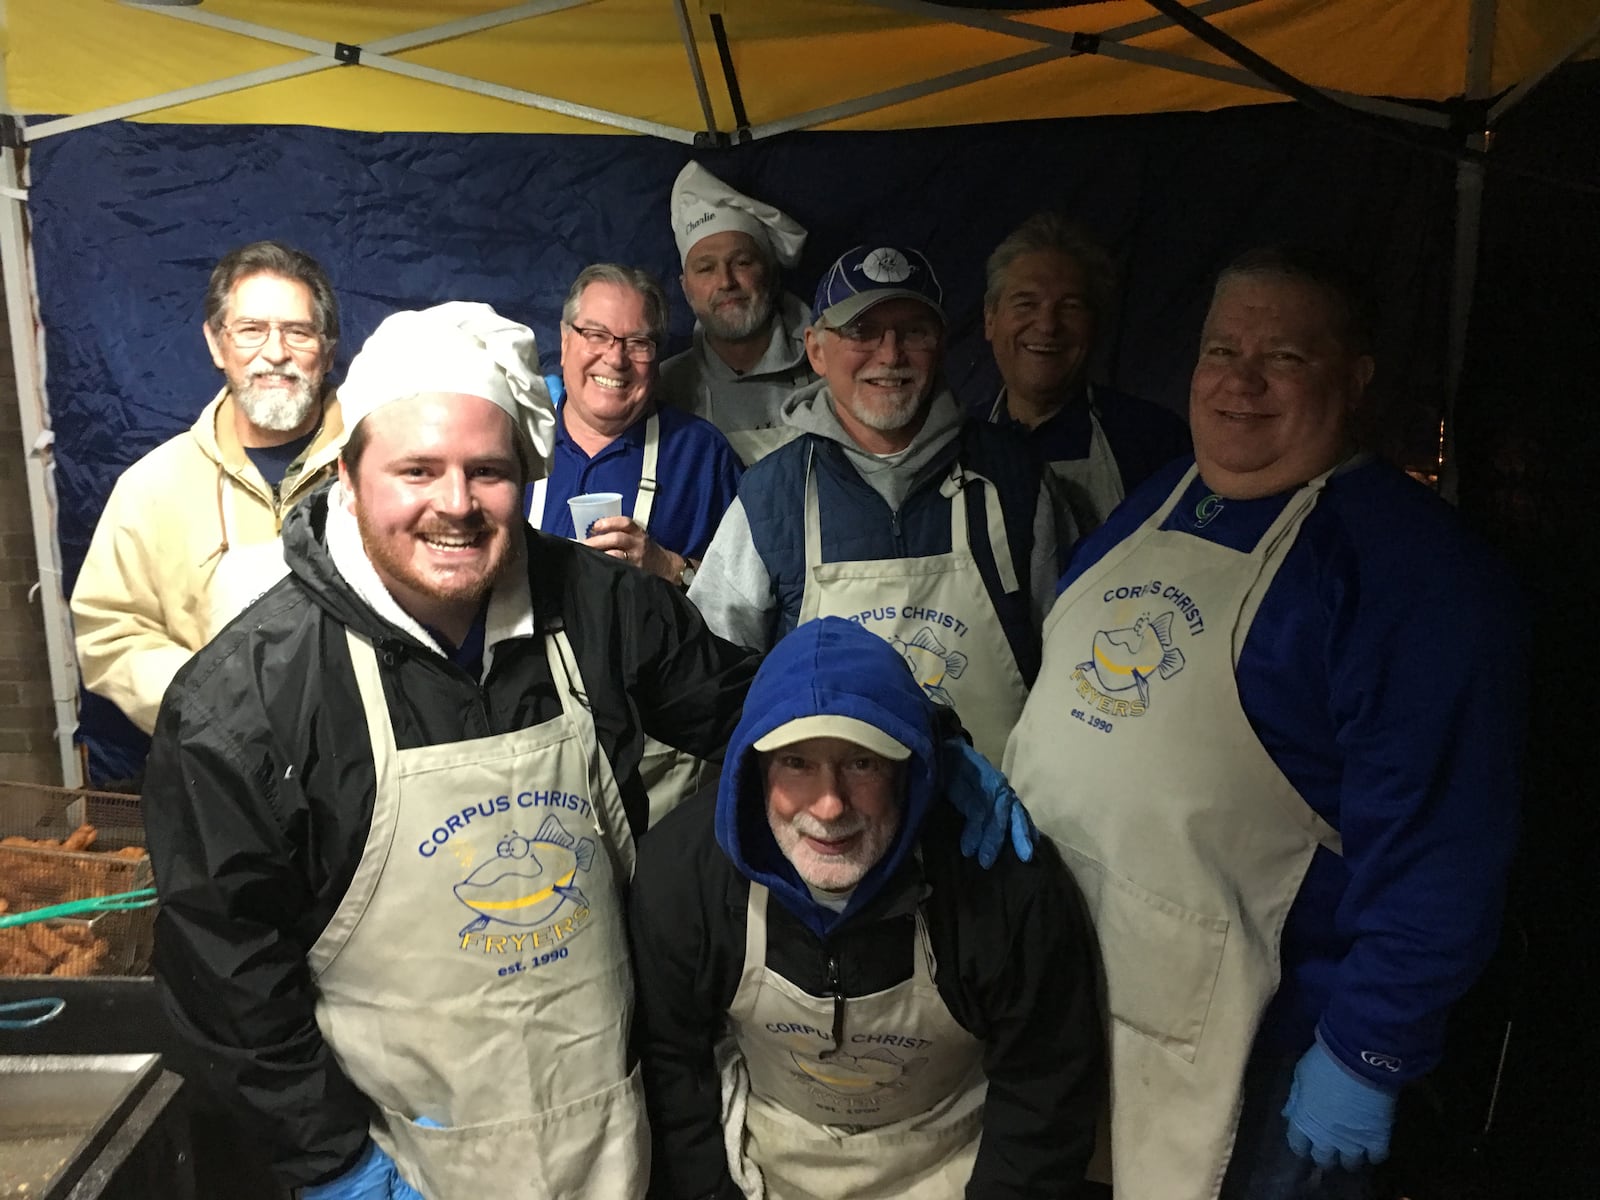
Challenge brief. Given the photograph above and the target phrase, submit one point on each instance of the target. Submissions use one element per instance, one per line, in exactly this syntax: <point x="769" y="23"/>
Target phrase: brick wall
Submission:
<point x="27" y="720"/>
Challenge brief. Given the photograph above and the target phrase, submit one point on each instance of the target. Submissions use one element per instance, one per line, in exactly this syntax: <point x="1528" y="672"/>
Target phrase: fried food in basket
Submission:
<point x="81" y="838"/>
<point x="35" y="872"/>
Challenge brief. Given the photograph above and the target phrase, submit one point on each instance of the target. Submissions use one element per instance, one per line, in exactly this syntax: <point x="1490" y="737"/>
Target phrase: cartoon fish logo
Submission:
<point x="528" y="879"/>
<point x="931" y="663"/>
<point x="1126" y="658"/>
<point x="850" y="1075"/>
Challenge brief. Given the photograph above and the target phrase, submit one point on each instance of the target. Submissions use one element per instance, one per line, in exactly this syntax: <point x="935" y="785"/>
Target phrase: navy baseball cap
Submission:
<point x="869" y="275"/>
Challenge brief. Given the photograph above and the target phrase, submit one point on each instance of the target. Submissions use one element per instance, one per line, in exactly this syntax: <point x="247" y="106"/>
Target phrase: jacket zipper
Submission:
<point x="837" y="991"/>
<point x="391" y="650"/>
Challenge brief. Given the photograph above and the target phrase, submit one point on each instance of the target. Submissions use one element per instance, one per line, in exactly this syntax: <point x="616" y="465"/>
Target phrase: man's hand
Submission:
<point x="621" y="538"/>
<point x="1336" y="1117"/>
<point x="981" y="793"/>
<point x="374" y="1177"/>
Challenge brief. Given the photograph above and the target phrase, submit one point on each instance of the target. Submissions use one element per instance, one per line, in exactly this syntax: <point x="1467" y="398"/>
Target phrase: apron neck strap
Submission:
<point x="954" y="488"/>
<point x="645" y="501"/>
<point x="813" y="515"/>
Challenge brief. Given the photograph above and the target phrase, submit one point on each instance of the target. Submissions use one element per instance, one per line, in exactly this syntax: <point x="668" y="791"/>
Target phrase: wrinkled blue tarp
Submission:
<point x="128" y="220"/>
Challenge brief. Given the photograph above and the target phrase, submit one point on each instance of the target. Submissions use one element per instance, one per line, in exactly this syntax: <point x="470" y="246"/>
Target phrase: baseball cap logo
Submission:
<point x="886" y="265"/>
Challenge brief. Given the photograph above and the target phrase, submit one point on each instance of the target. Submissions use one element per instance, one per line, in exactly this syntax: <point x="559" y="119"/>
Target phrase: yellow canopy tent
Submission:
<point x="652" y="66"/>
<point x="718" y="71"/>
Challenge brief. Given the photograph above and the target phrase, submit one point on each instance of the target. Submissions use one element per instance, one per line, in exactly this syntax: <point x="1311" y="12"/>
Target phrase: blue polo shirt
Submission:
<point x="697" y="477"/>
<point x="1384" y="674"/>
<point x="1144" y="437"/>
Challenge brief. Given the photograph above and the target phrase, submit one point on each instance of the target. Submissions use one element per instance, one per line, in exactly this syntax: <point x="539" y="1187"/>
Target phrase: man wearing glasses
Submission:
<point x="676" y="473"/>
<point x="893" y="509"/>
<point x="190" y="534"/>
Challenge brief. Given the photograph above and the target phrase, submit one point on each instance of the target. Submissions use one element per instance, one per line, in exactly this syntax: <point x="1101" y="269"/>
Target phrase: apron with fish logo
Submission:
<point x="1092" y="486"/>
<point x="669" y="775"/>
<point x="1135" y="756"/>
<point x="477" y="972"/>
<point x="934" y="610"/>
<point x="894" y="1110"/>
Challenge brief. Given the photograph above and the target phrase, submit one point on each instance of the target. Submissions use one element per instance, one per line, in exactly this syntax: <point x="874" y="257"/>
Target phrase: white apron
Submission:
<point x="1092" y="486"/>
<point x="242" y="574"/>
<point x="670" y="776"/>
<point x="1189" y="844"/>
<point x="643" y="502"/>
<point x="895" y="1110"/>
<point x="934" y="610"/>
<point x="477" y="970"/>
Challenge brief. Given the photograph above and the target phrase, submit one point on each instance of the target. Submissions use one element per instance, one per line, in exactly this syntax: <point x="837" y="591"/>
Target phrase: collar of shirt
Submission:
<point x="632" y="436"/>
<point x="1074" y="413"/>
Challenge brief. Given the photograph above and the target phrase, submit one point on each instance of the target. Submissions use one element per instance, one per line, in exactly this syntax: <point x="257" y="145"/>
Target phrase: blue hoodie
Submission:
<point x="827" y="667"/>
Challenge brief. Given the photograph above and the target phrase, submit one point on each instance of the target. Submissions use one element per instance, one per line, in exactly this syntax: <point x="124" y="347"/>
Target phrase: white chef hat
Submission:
<point x="456" y="348"/>
<point x="703" y="205"/>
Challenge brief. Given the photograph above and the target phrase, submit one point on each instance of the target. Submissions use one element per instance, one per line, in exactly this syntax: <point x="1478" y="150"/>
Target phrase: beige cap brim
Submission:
<point x="828" y="725"/>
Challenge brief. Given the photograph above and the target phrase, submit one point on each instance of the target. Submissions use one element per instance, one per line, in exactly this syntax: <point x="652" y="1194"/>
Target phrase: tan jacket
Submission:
<point x="142" y="606"/>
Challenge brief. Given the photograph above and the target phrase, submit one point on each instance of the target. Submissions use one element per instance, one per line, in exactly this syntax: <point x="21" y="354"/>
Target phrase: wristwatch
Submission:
<point x="686" y="575"/>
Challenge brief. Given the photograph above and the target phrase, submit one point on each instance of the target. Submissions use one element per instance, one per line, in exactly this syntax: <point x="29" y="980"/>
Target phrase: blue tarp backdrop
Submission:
<point x="128" y="220"/>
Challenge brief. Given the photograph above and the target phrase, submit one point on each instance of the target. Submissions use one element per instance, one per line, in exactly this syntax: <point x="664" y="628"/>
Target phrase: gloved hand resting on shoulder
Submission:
<point x="1336" y="1117"/>
<point x="981" y="794"/>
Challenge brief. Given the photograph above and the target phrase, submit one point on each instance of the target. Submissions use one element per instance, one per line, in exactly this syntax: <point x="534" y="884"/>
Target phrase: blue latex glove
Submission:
<point x="374" y="1177"/>
<point x="981" y="794"/>
<point x="1336" y="1117"/>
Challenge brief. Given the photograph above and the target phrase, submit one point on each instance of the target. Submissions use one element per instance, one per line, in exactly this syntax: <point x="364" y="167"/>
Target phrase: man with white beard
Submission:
<point x="749" y="349"/>
<point x="190" y="534"/>
<point x="892" y="507"/>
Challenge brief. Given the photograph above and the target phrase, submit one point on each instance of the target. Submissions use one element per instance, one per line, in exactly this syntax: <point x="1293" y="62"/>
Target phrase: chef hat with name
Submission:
<point x="459" y="348"/>
<point x="703" y="205"/>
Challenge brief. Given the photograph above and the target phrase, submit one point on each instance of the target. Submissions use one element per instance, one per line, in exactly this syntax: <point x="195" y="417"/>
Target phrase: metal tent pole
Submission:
<point x="1468" y="240"/>
<point x="28" y="356"/>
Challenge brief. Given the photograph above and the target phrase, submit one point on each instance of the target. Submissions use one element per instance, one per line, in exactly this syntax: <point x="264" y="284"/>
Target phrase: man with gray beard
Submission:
<point x="749" y="349"/>
<point x="892" y="507"/>
<point x="190" y="534"/>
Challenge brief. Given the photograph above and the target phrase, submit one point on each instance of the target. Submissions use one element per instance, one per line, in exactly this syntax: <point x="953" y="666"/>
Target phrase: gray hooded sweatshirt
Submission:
<point x="732" y="588"/>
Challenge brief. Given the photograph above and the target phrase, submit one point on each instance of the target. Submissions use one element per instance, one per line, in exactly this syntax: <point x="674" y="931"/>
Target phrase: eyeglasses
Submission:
<point x="639" y="349"/>
<point x="250" y="334"/>
<point x="869" y="337"/>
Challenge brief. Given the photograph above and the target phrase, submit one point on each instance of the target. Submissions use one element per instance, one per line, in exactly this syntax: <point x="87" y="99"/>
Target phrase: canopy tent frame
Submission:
<point x="377" y="55"/>
<point x="1051" y="45"/>
<point x="28" y="359"/>
<point x="1557" y="60"/>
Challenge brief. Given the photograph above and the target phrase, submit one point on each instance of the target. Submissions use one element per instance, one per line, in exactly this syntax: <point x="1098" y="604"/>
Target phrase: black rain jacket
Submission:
<point x="259" y="794"/>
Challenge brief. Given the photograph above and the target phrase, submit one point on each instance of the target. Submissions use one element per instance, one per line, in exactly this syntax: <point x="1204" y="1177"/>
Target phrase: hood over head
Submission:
<point x="825" y="668"/>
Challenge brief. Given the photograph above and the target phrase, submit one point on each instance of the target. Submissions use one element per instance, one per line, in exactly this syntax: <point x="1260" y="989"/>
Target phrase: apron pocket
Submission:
<point x="598" y="1146"/>
<point x="898" y="1162"/>
<point x="1161" y="959"/>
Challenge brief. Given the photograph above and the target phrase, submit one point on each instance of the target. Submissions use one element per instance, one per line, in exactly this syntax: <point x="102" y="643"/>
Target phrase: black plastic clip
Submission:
<point x="1086" y="43"/>
<point x="347" y="54"/>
